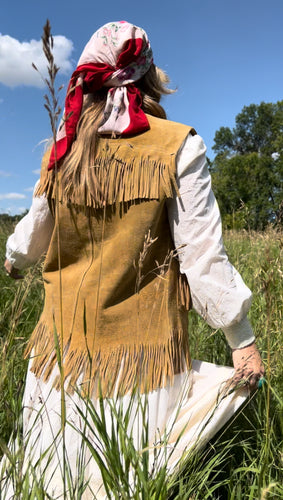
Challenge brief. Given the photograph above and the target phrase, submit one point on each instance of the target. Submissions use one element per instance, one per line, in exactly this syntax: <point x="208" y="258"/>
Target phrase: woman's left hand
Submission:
<point x="12" y="271"/>
<point x="248" y="365"/>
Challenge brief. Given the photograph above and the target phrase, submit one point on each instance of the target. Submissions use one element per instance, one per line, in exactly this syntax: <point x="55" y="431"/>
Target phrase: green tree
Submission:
<point x="247" y="171"/>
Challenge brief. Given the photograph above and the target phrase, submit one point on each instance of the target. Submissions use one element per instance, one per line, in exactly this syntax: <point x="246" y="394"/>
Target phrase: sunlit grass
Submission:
<point x="245" y="461"/>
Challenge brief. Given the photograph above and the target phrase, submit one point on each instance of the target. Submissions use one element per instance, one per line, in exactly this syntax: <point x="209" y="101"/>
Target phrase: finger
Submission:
<point x="253" y="383"/>
<point x="253" y="380"/>
<point x="238" y="380"/>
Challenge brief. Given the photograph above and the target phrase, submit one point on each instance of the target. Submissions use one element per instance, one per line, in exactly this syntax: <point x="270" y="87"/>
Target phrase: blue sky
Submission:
<point x="220" y="55"/>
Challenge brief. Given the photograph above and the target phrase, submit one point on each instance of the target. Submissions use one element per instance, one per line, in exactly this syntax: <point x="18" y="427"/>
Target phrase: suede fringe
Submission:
<point x="112" y="373"/>
<point x="184" y="296"/>
<point x="112" y="180"/>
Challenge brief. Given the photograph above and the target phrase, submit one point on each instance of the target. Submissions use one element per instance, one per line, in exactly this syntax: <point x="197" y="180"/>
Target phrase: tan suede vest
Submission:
<point x="116" y="307"/>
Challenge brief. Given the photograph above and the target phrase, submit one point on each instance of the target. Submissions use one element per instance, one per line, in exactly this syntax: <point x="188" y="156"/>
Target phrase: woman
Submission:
<point x="133" y="239"/>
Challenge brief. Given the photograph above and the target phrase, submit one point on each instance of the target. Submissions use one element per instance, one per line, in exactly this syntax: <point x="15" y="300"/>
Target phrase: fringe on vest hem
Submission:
<point x="112" y="180"/>
<point x="112" y="373"/>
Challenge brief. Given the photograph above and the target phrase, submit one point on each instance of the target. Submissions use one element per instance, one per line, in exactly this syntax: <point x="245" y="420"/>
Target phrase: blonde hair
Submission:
<point x="74" y="168"/>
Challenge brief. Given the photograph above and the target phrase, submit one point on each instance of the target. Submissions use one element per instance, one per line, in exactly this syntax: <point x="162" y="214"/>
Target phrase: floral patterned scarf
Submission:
<point x="116" y="56"/>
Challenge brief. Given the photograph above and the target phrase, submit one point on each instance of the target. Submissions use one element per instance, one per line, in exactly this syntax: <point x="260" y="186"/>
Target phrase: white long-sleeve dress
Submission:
<point x="198" y="403"/>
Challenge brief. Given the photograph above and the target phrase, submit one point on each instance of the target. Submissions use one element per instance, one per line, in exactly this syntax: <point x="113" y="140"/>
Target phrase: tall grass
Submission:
<point x="242" y="462"/>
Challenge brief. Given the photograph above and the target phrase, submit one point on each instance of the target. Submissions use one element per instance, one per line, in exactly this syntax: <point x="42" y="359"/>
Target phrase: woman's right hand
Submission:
<point x="12" y="271"/>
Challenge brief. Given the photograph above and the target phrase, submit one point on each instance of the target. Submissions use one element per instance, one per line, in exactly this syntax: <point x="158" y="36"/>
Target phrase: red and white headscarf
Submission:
<point x="117" y="55"/>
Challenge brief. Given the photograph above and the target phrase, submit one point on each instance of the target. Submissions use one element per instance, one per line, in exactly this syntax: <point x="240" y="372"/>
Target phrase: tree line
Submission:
<point x="247" y="171"/>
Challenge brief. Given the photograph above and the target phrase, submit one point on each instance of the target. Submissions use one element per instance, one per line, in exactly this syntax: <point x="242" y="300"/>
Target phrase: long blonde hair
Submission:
<point x="74" y="169"/>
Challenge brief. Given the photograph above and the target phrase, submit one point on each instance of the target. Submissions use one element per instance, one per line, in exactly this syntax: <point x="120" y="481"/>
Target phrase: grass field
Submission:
<point x="244" y="461"/>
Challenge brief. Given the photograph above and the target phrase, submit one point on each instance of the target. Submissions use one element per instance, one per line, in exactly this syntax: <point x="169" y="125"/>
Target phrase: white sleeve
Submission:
<point x="32" y="235"/>
<point x="218" y="292"/>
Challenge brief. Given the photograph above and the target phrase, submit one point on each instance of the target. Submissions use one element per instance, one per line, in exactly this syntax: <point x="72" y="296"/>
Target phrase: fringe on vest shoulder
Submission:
<point x="111" y="373"/>
<point x="113" y="179"/>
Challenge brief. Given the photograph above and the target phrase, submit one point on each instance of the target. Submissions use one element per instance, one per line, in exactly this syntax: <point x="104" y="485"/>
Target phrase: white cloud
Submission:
<point x="37" y="171"/>
<point x="30" y="189"/>
<point x="12" y="196"/>
<point x="5" y="174"/>
<point x="13" y="210"/>
<point x="16" y="60"/>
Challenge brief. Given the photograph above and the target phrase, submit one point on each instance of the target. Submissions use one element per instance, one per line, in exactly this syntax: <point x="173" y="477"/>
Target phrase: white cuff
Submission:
<point x="239" y="334"/>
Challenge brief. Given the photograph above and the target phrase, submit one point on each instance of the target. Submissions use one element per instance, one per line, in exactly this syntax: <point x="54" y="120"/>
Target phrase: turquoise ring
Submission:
<point x="261" y="382"/>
